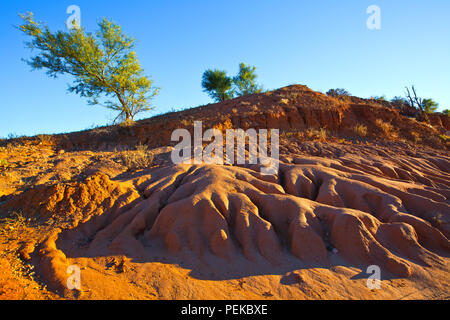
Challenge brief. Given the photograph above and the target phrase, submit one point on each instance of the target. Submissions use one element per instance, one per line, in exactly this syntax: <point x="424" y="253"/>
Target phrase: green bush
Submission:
<point x="221" y="87"/>
<point x="336" y="93"/>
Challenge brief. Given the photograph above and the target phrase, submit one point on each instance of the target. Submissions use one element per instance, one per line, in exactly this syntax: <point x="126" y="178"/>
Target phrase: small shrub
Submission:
<point x="445" y="137"/>
<point x="294" y="95"/>
<point x="14" y="223"/>
<point x="4" y="163"/>
<point x="415" y="137"/>
<point x="320" y="134"/>
<point x="284" y="101"/>
<point x="379" y="98"/>
<point x="399" y="102"/>
<point x="429" y="105"/>
<point x="46" y="139"/>
<point x="294" y="135"/>
<point x="127" y="123"/>
<point x="386" y="128"/>
<point x="360" y="130"/>
<point x="290" y="134"/>
<point x="323" y="134"/>
<point x="310" y="133"/>
<point x="185" y="123"/>
<point x="337" y="93"/>
<point x="138" y="159"/>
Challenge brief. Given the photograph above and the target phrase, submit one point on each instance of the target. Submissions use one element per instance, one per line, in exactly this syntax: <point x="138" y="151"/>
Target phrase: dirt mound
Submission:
<point x="288" y="109"/>
<point x="371" y="190"/>
<point x="356" y="210"/>
<point x="74" y="202"/>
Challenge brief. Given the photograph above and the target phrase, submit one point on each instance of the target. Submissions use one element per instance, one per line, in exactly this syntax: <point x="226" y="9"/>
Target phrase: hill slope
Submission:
<point x="344" y="199"/>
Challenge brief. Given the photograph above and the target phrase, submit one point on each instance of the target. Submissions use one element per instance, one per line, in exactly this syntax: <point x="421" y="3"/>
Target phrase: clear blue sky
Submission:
<point x="322" y="44"/>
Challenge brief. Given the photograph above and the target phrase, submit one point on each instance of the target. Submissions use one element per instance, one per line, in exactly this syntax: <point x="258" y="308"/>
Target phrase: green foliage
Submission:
<point x="245" y="81"/>
<point x="335" y="93"/>
<point x="424" y="105"/>
<point x="221" y="87"/>
<point x="104" y="65"/>
<point x="429" y="105"/>
<point x="446" y="112"/>
<point x="218" y="85"/>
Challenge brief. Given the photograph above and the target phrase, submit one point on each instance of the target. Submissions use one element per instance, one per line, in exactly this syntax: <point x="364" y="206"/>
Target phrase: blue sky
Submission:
<point x="322" y="44"/>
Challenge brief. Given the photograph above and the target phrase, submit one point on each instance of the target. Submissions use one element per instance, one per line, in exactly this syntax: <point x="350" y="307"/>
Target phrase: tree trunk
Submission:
<point x="128" y="116"/>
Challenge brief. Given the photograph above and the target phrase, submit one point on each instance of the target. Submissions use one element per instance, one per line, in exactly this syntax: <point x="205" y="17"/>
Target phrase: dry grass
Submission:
<point x="17" y="276"/>
<point x="127" y="123"/>
<point x="415" y="137"/>
<point x="185" y="123"/>
<point x="46" y="139"/>
<point x="9" y="148"/>
<point x="387" y="129"/>
<point x="4" y="163"/>
<point x="12" y="224"/>
<point x="445" y="137"/>
<point x="293" y="95"/>
<point x="139" y="159"/>
<point x="289" y="134"/>
<point x="315" y="134"/>
<point x="284" y="101"/>
<point x="296" y="135"/>
<point x="360" y="130"/>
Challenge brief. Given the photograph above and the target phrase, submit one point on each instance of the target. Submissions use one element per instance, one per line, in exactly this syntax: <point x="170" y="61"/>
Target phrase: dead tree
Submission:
<point x="415" y="101"/>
